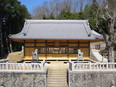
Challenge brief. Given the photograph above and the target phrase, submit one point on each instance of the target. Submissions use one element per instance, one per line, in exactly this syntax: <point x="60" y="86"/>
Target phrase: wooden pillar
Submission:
<point x="89" y="48"/>
<point x="24" y="48"/>
<point x="35" y="44"/>
<point x="68" y="49"/>
<point x="46" y="50"/>
<point x="78" y="44"/>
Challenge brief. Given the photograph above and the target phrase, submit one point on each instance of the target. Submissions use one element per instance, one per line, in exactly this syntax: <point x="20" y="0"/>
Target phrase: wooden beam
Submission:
<point x="89" y="49"/>
<point x="58" y="53"/>
<point x="74" y="42"/>
<point x="35" y="44"/>
<point x="24" y="48"/>
<point x="60" y="42"/>
<point x="38" y="42"/>
<point x="67" y="49"/>
<point x="78" y="44"/>
<point x="46" y="48"/>
<point x="57" y="47"/>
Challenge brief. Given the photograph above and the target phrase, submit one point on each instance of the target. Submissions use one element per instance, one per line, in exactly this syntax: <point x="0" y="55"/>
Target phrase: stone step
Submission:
<point x="57" y="77"/>
<point x="52" y="82"/>
<point x="57" y="84"/>
<point x="61" y="85"/>
<point x="57" y="74"/>
<point x="57" y="71"/>
<point x="50" y="73"/>
<point x="57" y="80"/>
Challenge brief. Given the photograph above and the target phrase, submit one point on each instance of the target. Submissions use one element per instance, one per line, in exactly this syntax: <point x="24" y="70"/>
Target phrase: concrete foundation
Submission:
<point x="92" y="78"/>
<point x="23" y="79"/>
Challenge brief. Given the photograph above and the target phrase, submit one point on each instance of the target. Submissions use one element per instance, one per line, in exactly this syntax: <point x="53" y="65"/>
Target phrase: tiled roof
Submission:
<point x="57" y="29"/>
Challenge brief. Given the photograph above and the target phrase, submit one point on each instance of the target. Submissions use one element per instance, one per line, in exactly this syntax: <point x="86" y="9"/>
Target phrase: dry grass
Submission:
<point x="15" y="56"/>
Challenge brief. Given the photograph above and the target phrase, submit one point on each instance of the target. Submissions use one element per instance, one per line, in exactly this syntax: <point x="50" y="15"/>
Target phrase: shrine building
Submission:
<point x="56" y="39"/>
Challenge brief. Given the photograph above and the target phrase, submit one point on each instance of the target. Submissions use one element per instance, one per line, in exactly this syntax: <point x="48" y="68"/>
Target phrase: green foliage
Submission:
<point x="92" y="22"/>
<point x="12" y="16"/>
<point x="66" y="15"/>
<point x="104" y="51"/>
<point x="51" y="16"/>
<point x="80" y="15"/>
<point x="90" y="14"/>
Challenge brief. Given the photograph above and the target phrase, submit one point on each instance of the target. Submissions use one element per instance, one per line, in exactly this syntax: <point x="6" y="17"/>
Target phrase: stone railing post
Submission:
<point x="43" y="65"/>
<point x="71" y="66"/>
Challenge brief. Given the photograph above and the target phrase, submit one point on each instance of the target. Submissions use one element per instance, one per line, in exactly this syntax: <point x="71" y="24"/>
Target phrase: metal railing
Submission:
<point x="91" y="66"/>
<point x="22" y="66"/>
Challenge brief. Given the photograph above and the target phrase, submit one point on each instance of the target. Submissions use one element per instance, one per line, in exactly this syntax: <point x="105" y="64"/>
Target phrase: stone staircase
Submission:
<point x="57" y="78"/>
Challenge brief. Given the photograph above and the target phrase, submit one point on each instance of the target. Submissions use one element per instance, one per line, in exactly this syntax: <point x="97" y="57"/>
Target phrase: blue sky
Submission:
<point x="31" y="4"/>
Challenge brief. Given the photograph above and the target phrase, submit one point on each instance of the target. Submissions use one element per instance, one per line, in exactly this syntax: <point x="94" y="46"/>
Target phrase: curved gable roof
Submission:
<point x="57" y="29"/>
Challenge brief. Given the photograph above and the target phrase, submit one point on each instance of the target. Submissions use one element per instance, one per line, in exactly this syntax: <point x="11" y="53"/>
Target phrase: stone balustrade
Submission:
<point x="22" y="66"/>
<point x="91" y="66"/>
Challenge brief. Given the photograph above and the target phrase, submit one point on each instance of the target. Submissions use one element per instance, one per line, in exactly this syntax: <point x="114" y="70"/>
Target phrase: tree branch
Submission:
<point x="106" y="38"/>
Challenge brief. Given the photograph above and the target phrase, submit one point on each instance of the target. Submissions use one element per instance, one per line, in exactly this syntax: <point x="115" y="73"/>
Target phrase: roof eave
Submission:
<point x="22" y="40"/>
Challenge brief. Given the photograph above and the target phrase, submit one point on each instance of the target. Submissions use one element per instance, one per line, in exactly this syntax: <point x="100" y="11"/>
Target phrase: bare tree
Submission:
<point x="55" y="7"/>
<point x="81" y="4"/>
<point x="108" y="14"/>
<point x="38" y="13"/>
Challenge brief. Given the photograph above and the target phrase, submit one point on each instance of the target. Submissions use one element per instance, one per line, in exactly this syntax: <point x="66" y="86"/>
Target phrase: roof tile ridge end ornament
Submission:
<point x="26" y="27"/>
<point x="96" y="33"/>
<point x="87" y="27"/>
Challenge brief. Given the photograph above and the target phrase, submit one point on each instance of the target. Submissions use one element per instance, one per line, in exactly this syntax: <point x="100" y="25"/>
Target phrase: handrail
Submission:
<point x="92" y="66"/>
<point x="22" y="66"/>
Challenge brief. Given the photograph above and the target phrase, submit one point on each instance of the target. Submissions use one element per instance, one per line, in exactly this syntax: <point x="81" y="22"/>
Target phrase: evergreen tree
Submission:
<point x="12" y="15"/>
<point x="66" y="15"/>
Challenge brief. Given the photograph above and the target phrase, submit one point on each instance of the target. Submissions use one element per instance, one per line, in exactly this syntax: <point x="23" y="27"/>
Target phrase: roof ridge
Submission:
<point x="78" y="29"/>
<point x="56" y="20"/>
<point x="26" y="28"/>
<point x="87" y="28"/>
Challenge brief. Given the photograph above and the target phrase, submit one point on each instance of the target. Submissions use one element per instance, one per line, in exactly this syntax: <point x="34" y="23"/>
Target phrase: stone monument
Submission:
<point x="35" y="56"/>
<point x="80" y="55"/>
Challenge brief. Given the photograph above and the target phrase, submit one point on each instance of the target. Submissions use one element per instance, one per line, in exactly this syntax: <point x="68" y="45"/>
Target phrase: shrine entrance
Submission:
<point x="56" y="39"/>
<point x="57" y="49"/>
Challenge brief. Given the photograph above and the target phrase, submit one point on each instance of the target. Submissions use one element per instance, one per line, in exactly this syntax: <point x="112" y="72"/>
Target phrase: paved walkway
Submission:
<point x="57" y="74"/>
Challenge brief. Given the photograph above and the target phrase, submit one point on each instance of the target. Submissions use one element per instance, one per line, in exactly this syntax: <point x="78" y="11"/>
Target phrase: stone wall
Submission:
<point x="92" y="78"/>
<point x="22" y="79"/>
